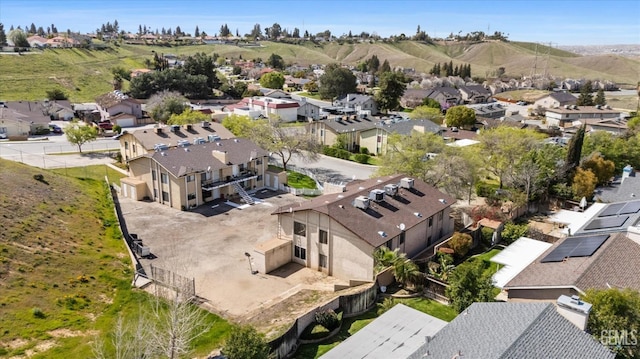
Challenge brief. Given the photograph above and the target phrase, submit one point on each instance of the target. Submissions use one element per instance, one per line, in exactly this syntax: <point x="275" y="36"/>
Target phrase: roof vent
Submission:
<point x="361" y="202"/>
<point x="376" y="195"/>
<point x="236" y="140"/>
<point x="382" y="234"/>
<point x="157" y="130"/>
<point x="406" y="183"/>
<point x="175" y="128"/>
<point x="205" y="124"/>
<point x="575" y="107"/>
<point x="599" y="107"/>
<point x="391" y="189"/>
<point x="441" y="200"/>
<point x="189" y="127"/>
<point x="568" y="107"/>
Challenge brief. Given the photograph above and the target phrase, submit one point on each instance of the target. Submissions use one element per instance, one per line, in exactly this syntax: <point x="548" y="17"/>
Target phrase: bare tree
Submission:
<point x="128" y="340"/>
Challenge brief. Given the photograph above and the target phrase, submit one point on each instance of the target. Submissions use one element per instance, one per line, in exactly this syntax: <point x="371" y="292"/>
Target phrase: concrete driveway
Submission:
<point x="209" y="244"/>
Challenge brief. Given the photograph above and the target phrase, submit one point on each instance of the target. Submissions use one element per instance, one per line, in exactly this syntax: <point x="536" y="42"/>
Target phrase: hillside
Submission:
<point x="85" y="74"/>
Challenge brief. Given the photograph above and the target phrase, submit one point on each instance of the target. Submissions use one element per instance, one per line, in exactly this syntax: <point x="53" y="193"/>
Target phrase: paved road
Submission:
<point x="333" y="169"/>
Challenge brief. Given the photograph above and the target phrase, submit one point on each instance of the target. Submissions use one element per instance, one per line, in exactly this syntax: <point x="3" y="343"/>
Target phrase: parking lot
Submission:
<point x="209" y="244"/>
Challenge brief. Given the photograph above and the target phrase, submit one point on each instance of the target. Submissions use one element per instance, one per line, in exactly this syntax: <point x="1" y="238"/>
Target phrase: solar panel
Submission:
<point x="631" y="207"/>
<point x="607" y="222"/>
<point x="575" y="247"/>
<point x="611" y="210"/>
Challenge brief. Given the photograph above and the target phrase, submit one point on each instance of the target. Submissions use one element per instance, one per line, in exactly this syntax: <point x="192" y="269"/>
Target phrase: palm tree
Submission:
<point x="405" y="271"/>
<point x="383" y="257"/>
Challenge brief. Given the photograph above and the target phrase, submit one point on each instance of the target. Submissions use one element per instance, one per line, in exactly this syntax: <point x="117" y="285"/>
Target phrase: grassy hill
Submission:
<point x="64" y="271"/>
<point x="84" y="74"/>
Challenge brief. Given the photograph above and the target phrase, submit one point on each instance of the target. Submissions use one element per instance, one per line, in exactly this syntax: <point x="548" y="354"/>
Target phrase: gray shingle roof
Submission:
<point x="405" y="127"/>
<point x="149" y="138"/>
<point x="512" y="330"/>
<point x="348" y="124"/>
<point x="563" y="97"/>
<point x="195" y="158"/>
<point x="628" y="189"/>
<point x="385" y="216"/>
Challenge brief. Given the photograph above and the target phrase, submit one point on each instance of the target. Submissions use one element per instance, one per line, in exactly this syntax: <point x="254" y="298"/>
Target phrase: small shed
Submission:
<point x="272" y="254"/>
<point x="133" y="188"/>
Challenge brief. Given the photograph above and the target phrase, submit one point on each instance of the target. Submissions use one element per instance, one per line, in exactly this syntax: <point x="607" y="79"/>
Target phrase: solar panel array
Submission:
<point x="576" y="247"/>
<point x="631" y="207"/>
<point x="612" y="209"/>
<point x="621" y="208"/>
<point x="606" y="222"/>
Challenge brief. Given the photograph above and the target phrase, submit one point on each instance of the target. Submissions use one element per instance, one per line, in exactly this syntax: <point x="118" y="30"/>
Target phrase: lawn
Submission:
<point x="351" y="325"/>
<point x="66" y="275"/>
<point x="490" y="268"/>
<point x="296" y="179"/>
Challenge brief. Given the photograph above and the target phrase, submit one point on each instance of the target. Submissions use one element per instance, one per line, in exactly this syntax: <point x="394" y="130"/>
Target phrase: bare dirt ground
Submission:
<point x="209" y="245"/>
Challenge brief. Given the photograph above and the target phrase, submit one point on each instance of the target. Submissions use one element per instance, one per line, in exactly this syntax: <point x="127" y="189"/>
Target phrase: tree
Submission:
<point x="272" y="80"/>
<point x="240" y="126"/>
<point x="406" y="154"/>
<point x="432" y="103"/>
<point x="163" y="105"/>
<point x="196" y="32"/>
<point x="188" y="116"/>
<point x="310" y="87"/>
<point x="385" y="67"/>
<point x="586" y="97"/>
<point x="584" y="183"/>
<point x="467" y="284"/>
<point x="18" y="38"/>
<point x="246" y="343"/>
<point x="426" y="113"/>
<point x="284" y="143"/>
<point x="460" y="243"/>
<point x="392" y="87"/>
<point x="603" y="169"/>
<point x="275" y="61"/>
<point x="600" y="99"/>
<point x="56" y="94"/>
<point x="615" y="312"/>
<point x="406" y="271"/>
<point x="460" y="116"/>
<point x="574" y="152"/>
<point x="513" y="232"/>
<point x="256" y="33"/>
<point x="79" y="134"/>
<point x="3" y="36"/>
<point x="203" y="64"/>
<point x="384" y="257"/>
<point x="336" y="82"/>
<point x="275" y="31"/>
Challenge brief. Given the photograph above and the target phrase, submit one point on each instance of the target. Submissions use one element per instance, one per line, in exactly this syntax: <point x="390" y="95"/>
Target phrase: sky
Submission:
<point x="555" y="22"/>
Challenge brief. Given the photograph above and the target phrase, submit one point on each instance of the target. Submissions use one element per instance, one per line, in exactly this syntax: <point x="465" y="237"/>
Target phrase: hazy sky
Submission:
<point x="560" y="22"/>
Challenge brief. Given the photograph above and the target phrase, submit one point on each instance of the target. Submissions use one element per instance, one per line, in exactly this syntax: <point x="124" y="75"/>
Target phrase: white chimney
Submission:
<point x="574" y="310"/>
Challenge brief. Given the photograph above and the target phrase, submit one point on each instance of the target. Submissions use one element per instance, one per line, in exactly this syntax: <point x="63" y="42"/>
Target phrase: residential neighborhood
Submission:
<point x="250" y="201"/>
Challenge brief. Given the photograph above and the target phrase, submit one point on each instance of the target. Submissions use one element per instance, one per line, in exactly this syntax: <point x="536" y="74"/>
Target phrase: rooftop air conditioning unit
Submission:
<point x="599" y="107"/>
<point x="183" y="143"/>
<point x="160" y="147"/>
<point x="361" y="202"/>
<point x="568" y="107"/>
<point x="406" y="183"/>
<point x="198" y="141"/>
<point x="205" y="124"/>
<point x="376" y="195"/>
<point x="158" y="130"/>
<point x="189" y="127"/>
<point x="575" y="107"/>
<point x="213" y="138"/>
<point x="391" y="189"/>
<point x="175" y="128"/>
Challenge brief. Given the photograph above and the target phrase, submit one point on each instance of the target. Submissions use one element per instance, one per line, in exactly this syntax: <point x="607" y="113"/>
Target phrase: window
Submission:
<point x="322" y="261"/>
<point x="323" y="237"/>
<point x="300" y="252"/>
<point x="428" y="241"/>
<point x="300" y="229"/>
<point x="134" y="148"/>
<point x="258" y="161"/>
<point x="430" y="221"/>
<point x="259" y="178"/>
<point x="440" y="216"/>
<point x="203" y="177"/>
<point x="154" y="176"/>
<point x="402" y="236"/>
<point x="191" y="196"/>
<point x="164" y="178"/>
<point x="126" y="145"/>
<point x="191" y="178"/>
<point x="389" y="244"/>
<point x="155" y="193"/>
<point x="165" y="196"/>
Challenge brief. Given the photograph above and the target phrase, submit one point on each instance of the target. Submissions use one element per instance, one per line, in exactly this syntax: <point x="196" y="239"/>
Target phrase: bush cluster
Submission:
<point x="328" y="319"/>
<point x="336" y="152"/>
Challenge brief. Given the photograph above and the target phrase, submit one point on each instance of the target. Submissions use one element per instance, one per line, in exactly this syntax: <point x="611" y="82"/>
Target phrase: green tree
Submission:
<point x="406" y="271"/>
<point x="429" y="102"/>
<point x="56" y="94"/>
<point x="79" y="134"/>
<point x="385" y="67"/>
<point x="241" y="126"/>
<point x="586" y="96"/>
<point x="467" y="284"/>
<point x="3" y="36"/>
<point x="574" y="152"/>
<point x="603" y="169"/>
<point x="18" y="38"/>
<point x="336" y="82"/>
<point x="203" y="64"/>
<point x="246" y="343"/>
<point x="426" y="113"/>
<point x="513" y="232"/>
<point x="406" y="154"/>
<point x="276" y="61"/>
<point x="460" y="243"/>
<point x="311" y="87"/>
<point x="272" y="80"/>
<point x="384" y="257"/>
<point x="615" y="310"/>
<point x="584" y="183"/>
<point x="600" y="99"/>
<point x="165" y="104"/>
<point x="188" y="116"/>
<point x="460" y="116"/>
<point x="392" y="87"/>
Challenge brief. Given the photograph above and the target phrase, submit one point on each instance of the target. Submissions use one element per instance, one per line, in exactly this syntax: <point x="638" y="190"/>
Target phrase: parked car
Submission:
<point x="521" y="103"/>
<point x="55" y="128"/>
<point x="105" y="125"/>
<point x="3" y="135"/>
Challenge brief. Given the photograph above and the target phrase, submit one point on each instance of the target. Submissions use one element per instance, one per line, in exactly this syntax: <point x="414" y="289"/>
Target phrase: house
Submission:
<point x="23" y="118"/>
<point x="565" y="116"/>
<point x="114" y="103"/>
<point x="474" y="93"/>
<point x="622" y="188"/>
<point x="141" y="142"/>
<point x="446" y="96"/>
<point x="412" y="98"/>
<point x="360" y="104"/>
<point x="190" y="175"/>
<point x="602" y="251"/>
<point x="495" y="110"/>
<point x="338" y="233"/>
<point x="62" y="41"/>
<point x="308" y="110"/>
<point x="397" y="333"/>
<point x="60" y="110"/>
<point x="254" y="107"/>
<point x="294" y="84"/>
<point x="274" y="93"/>
<point x="326" y="132"/>
<point x="376" y="139"/>
<point x="555" y="99"/>
<point x="37" y="41"/>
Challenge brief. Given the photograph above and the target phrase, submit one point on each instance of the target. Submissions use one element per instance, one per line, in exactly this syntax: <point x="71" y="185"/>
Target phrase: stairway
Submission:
<point x="245" y="196"/>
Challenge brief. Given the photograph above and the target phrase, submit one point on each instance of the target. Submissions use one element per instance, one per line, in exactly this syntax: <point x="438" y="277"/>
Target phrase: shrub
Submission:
<point x="460" y="243"/>
<point x="487" y="236"/>
<point x="328" y="319"/>
<point x="364" y="150"/>
<point x="386" y="304"/>
<point x="117" y="129"/>
<point x="362" y="158"/>
<point x="512" y="232"/>
<point x="38" y="313"/>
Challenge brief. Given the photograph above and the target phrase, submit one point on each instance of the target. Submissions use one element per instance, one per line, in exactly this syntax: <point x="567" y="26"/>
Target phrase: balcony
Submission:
<point x="210" y="185"/>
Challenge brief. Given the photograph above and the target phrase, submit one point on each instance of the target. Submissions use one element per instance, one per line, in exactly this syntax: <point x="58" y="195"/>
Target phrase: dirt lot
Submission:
<point x="209" y="243"/>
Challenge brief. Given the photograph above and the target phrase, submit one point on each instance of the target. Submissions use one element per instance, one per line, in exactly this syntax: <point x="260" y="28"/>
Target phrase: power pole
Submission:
<point x="534" y="70"/>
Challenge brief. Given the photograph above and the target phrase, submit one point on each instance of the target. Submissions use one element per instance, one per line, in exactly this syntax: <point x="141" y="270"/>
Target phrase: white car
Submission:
<point x="3" y="135"/>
